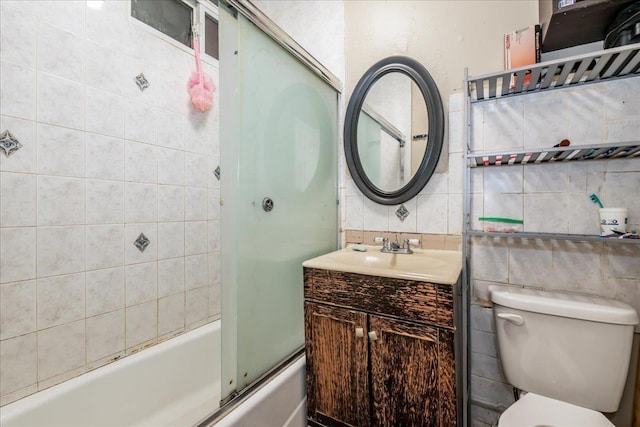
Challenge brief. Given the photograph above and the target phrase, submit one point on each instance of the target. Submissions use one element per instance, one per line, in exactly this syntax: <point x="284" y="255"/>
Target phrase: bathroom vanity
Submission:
<point x="381" y="338"/>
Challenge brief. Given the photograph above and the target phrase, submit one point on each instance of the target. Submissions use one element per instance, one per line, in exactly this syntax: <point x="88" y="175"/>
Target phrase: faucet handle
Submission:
<point x="379" y="239"/>
<point x="407" y="243"/>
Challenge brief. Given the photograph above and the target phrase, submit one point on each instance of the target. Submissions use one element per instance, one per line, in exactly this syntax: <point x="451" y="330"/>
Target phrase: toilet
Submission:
<point x="569" y="352"/>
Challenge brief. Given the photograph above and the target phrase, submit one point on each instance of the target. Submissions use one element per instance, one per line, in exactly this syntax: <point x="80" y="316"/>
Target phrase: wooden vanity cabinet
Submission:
<point x="380" y="351"/>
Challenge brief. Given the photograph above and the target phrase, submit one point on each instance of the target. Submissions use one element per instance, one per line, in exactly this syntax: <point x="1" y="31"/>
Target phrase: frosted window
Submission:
<point x="172" y="17"/>
<point x="211" y="37"/>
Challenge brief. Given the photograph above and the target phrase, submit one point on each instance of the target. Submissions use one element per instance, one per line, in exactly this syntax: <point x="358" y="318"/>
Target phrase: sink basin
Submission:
<point x="425" y="265"/>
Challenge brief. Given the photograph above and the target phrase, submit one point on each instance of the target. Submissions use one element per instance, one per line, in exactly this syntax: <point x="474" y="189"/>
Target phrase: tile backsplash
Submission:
<point x="109" y="209"/>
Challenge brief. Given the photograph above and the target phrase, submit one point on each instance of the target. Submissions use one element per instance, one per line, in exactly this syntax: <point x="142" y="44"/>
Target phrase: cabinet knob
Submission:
<point x="373" y="336"/>
<point x="359" y="332"/>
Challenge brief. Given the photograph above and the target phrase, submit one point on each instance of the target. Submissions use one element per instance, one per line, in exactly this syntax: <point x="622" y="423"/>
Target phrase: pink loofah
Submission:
<point x="201" y="86"/>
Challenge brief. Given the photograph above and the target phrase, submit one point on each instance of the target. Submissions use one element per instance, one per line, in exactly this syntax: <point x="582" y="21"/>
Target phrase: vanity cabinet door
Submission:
<point x="404" y="374"/>
<point x="337" y="382"/>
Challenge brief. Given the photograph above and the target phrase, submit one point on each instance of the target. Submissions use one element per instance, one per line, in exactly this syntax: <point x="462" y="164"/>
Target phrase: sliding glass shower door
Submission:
<point x="279" y="146"/>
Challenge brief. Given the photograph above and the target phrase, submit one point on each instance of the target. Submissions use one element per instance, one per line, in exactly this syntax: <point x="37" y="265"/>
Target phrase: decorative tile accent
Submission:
<point x="9" y="144"/>
<point x="217" y="173"/>
<point x="141" y="242"/>
<point x="141" y="81"/>
<point x="402" y="213"/>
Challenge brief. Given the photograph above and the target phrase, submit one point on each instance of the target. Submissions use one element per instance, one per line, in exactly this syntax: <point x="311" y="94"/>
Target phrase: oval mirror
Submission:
<point x="394" y="130"/>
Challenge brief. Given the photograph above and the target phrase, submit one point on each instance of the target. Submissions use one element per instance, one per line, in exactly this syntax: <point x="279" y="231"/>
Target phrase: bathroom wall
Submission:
<point x="101" y="162"/>
<point x="550" y="198"/>
<point x="445" y="37"/>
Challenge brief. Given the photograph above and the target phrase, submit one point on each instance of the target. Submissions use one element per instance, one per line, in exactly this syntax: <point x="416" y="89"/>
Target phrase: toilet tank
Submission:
<point x="570" y="347"/>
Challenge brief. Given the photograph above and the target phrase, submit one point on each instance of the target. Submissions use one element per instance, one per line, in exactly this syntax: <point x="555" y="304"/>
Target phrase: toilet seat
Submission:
<point x="533" y="410"/>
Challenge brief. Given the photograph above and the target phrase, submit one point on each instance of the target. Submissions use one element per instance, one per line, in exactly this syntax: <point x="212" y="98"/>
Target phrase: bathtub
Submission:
<point x="174" y="383"/>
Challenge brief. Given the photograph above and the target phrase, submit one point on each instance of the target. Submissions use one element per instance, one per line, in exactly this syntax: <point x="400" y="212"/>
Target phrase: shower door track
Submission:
<point x="270" y="28"/>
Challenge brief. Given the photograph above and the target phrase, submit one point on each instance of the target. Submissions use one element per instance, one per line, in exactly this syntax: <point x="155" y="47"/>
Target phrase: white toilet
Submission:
<point x="569" y="352"/>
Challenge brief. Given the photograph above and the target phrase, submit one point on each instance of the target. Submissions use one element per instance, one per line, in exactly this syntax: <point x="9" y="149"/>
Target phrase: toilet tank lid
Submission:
<point x="576" y="306"/>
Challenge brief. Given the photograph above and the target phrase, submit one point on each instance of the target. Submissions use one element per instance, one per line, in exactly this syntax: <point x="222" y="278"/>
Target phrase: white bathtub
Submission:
<point x="175" y="383"/>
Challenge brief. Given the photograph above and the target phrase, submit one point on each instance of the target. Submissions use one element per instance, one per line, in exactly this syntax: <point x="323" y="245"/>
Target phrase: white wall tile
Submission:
<point x="213" y="228"/>
<point x="18" y="37"/>
<point x="584" y="218"/>
<point x="410" y="223"/>
<point x="195" y="240"/>
<point x="502" y="206"/>
<point x="194" y="138"/>
<point x="105" y="202"/>
<point x="455" y="221"/>
<point x="214" y="268"/>
<point x="170" y="203"/>
<point x="17" y="254"/>
<point x="141" y="283"/>
<point x="17" y="309"/>
<point x="438" y="184"/>
<point x="17" y="91"/>
<point x="104" y="68"/>
<point x="60" y="151"/>
<point x="141" y="202"/>
<point x="355" y="212"/>
<point x="61" y="300"/>
<point x="195" y="204"/>
<point x="68" y="15"/>
<point x="140" y="122"/>
<point x="171" y="313"/>
<point x="170" y="239"/>
<point x="530" y="263"/>
<point x="141" y="323"/>
<point x="170" y="166"/>
<point x="197" y="305"/>
<point x="196" y="271"/>
<point x="141" y="162"/>
<point x="18" y="363"/>
<point x="503" y="180"/>
<point x="490" y="260"/>
<point x="213" y="209"/>
<point x="576" y="266"/>
<point x="105" y="246"/>
<point x="546" y="213"/>
<point x="61" y="349"/>
<point x="60" y="250"/>
<point x="503" y="125"/>
<point x="105" y="335"/>
<point x="376" y="216"/>
<point x="23" y="160"/>
<point x="60" y="53"/>
<point x="170" y="276"/>
<point x="105" y="113"/>
<point x="432" y="213"/>
<point x="18" y="195"/>
<point x="170" y="129"/>
<point x="131" y="233"/>
<point x="195" y="166"/>
<point x="106" y="27"/>
<point x="60" y="201"/>
<point x="53" y="89"/>
<point x="546" y="121"/>
<point x="587" y="120"/>
<point x="105" y="157"/>
<point x="214" y="300"/>
<point x="105" y="290"/>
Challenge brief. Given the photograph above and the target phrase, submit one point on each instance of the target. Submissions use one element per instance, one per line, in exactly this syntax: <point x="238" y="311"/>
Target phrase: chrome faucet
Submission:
<point x="394" y="247"/>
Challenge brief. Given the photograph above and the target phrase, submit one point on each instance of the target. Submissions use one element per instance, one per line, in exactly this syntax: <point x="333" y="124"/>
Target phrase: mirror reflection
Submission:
<point x="392" y="131"/>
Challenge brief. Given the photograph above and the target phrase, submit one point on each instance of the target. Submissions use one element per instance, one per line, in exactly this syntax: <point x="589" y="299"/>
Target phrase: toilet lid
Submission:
<point x="533" y="410"/>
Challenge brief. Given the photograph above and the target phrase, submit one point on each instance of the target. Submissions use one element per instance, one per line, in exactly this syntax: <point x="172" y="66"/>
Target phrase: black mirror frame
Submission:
<point x="435" y="113"/>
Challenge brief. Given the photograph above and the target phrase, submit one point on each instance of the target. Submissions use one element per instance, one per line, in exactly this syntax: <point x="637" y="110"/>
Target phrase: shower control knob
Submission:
<point x="267" y="204"/>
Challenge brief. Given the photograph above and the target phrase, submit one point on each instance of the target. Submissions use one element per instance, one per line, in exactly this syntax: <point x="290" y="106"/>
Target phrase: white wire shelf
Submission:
<point x="619" y="150"/>
<point x="555" y="236"/>
<point x="568" y="72"/>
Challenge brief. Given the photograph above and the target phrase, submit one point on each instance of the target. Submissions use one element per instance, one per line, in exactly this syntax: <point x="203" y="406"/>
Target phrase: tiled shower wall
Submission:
<point x="549" y="198"/>
<point x="101" y="162"/>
